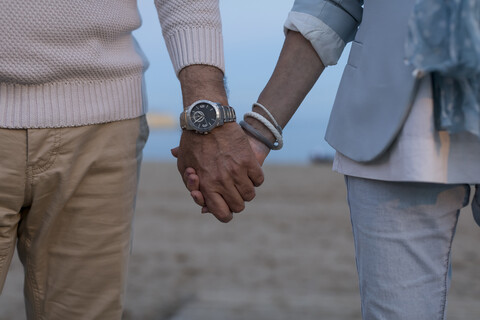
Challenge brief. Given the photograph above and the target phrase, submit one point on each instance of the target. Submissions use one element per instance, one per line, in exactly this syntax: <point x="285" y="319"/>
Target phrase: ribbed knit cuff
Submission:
<point x="196" y="46"/>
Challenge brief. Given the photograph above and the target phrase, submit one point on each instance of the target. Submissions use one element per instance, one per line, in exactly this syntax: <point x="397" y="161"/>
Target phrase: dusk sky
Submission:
<point x="253" y="37"/>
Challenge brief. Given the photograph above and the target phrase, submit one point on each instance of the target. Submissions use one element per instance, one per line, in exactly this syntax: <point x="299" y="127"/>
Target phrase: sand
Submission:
<point x="288" y="256"/>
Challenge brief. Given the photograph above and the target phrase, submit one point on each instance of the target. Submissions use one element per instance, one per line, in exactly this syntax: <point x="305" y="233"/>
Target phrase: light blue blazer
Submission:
<point x="377" y="87"/>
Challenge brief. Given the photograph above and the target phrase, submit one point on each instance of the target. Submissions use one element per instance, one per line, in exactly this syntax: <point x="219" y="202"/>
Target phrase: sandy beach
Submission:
<point x="288" y="256"/>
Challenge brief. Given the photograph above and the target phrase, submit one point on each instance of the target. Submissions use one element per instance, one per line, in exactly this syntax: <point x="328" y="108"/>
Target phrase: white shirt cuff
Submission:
<point x="326" y="42"/>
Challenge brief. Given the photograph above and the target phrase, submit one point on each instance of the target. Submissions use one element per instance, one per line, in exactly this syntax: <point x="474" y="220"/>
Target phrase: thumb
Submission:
<point x="174" y="151"/>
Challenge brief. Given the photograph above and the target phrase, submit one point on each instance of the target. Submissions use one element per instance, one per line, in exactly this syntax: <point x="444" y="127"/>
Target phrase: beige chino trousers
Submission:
<point x="67" y="198"/>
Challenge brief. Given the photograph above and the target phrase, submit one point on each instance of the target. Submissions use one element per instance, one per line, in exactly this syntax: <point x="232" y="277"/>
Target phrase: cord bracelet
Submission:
<point x="261" y="106"/>
<point x="272" y="126"/>
<point x="256" y="134"/>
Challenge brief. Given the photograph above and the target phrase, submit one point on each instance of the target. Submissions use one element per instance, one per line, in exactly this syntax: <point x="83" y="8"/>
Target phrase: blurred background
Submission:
<point x="290" y="254"/>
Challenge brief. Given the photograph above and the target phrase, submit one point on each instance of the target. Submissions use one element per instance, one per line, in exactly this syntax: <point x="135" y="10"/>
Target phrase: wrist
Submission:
<point x="260" y="127"/>
<point x="270" y="123"/>
<point x="260" y="150"/>
<point x="203" y="116"/>
<point x="202" y="82"/>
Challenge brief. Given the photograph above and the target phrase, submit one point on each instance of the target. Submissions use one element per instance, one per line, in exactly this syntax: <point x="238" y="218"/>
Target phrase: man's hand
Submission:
<point x="226" y="167"/>
<point x="192" y="181"/>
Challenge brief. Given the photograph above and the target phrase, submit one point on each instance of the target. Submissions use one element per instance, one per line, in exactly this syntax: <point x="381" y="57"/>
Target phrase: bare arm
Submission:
<point x="297" y="70"/>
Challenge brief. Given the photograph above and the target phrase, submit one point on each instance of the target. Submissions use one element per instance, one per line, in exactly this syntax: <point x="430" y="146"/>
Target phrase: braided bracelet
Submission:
<point x="270" y="115"/>
<point x="276" y="130"/>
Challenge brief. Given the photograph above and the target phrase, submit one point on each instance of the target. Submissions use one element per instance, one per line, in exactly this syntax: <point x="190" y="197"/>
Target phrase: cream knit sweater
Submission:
<point x="74" y="62"/>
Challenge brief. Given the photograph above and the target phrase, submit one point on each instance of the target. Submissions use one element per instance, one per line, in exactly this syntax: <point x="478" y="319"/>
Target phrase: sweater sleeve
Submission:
<point x="327" y="24"/>
<point x="192" y="30"/>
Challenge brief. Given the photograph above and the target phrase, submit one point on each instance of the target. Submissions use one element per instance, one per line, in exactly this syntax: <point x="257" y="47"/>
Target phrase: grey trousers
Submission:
<point x="403" y="234"/>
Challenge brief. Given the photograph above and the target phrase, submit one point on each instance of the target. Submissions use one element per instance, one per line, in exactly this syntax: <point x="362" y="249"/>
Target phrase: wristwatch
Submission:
<point x="203" y="116"/>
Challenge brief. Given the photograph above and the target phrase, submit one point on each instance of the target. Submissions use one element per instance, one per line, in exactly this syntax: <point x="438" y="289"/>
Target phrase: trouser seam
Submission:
<point x="52" y="155"/>
<point x="32" y="280"/>
<point x="467" y="195"/>
<point x="2" y="260"/>
<point x="32" y="170"/>
<point x="475" y="199"/>
<point x="447" y="264"/>
<point x="355" y="244"/>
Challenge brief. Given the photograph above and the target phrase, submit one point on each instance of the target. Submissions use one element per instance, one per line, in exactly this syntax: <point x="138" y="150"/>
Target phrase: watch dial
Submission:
<point x="203" y="116"/>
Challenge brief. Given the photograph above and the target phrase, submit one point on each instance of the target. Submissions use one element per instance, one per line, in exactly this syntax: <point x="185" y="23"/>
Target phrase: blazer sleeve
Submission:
<point x="328" y="24"/>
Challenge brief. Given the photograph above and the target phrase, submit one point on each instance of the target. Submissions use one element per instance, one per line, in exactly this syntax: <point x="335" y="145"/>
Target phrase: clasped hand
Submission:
<point x="220" y="169"/>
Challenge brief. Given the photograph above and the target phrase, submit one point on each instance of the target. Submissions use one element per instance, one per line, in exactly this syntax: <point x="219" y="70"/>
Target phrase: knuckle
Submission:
<point x="217" y="178"/>
<point x="235" y="171"/>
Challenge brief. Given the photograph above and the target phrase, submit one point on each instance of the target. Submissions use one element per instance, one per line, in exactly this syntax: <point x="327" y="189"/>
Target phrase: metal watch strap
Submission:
<point x="228" y="113"/>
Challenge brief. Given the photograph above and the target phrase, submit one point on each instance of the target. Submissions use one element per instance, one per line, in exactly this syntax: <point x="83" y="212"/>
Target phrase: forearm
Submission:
<point x="297" y="70"/>
<point x="200" y="82"/>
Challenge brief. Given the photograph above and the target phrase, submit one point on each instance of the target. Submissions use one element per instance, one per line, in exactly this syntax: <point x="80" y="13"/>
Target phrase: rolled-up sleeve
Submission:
<point x="328" y="24"/>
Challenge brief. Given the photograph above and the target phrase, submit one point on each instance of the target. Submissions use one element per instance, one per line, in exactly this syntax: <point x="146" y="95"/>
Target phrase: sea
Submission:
<point x="303" y="144"/>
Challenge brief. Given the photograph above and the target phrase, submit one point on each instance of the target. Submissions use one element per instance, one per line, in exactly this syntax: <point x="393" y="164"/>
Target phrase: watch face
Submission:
<point x="203" y="116"/>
